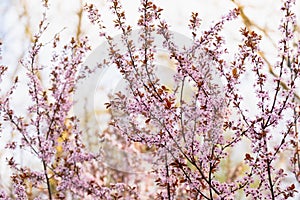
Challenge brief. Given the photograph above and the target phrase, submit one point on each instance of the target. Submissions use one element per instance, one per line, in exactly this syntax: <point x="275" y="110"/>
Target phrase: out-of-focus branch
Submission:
<point x="79" y="25"/>
<point x="27" y="31"/>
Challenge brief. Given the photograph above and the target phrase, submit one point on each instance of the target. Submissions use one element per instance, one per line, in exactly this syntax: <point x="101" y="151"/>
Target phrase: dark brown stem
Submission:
<point x="47" y="180"/>
<point x="167" y="171"/>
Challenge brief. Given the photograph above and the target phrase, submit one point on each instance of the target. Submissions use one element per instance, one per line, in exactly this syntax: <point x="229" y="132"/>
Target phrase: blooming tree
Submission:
<point x="190" y="139"/>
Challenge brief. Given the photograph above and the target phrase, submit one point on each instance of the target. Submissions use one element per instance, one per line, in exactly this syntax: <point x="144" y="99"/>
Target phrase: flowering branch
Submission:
<point x="190" y="130"/>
